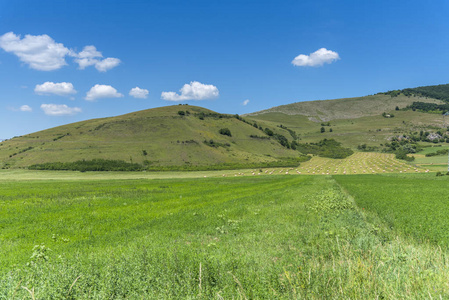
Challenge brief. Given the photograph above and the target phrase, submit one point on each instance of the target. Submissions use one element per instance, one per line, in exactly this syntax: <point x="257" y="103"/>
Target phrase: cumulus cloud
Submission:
<point x="245" y="102"/>
<point x="107" y="64"/>
<point x="59" y="110"/>
<point x="193" y="91"/>
<point x="87" y="57"/>
<point x="40" y="52"/>
<point x="138" y="93"/>
<point x="60" y="88"/>
<point x="318" y="58"/>
<point x="91" y="56"/>
<point x="102" y="91"/>
<point x="25" y="108"/>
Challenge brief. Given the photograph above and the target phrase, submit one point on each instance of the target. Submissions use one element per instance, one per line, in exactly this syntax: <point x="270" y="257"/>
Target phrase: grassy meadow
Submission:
<point x="243" y="237"/>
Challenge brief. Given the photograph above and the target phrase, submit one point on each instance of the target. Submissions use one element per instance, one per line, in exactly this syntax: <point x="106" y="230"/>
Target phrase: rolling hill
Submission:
<point x="161" y="137"/>
<point x="346" y="108"/>
<point x="186" y="137"/>
<point x="361" y="120"/>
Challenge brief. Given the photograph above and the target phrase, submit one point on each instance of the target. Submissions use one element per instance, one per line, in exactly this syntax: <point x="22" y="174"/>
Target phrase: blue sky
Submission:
<point x="65" y="61"/>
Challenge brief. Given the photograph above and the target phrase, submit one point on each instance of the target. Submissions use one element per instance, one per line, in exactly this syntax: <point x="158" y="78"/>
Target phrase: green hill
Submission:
<point x="347" y="108"/>
<point x="372" y="120"/>
<point x="183" y="136"/>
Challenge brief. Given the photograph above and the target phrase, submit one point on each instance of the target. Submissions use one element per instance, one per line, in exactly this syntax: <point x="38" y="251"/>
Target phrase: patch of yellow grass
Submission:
<point x="358" y="163"/>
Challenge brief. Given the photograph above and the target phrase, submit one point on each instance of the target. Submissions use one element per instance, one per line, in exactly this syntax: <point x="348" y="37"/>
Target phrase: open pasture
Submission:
<point x="358" y="163"/>
<point x="434" y="163"/>
<point x="414" y="205"/>
<point x="261" y="237"/>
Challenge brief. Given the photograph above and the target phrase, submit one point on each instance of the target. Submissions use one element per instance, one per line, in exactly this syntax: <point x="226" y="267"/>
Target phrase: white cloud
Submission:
<point x="316" y="59"/>
<point x="87" y="57"/>
<point x="245" y="102"/>
<point x="107" y="64"/>
<point x="138" y="93"/>
<point x="60" y="88"/>
<point x="102" y="91"/>
<point x="40" y="52"/>
<point x="91" y="56"/>
<point x="59" y="110"/>
<point x="25" y="108"/>
<point x="193" y="91"/>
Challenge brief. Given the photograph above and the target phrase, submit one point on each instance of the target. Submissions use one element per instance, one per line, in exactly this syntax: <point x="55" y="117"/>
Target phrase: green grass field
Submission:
<point x="250" y="237"/>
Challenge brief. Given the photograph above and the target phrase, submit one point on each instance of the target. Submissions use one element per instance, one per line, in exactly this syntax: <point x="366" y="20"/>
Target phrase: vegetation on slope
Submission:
<point x="325" y="148"/>
<point x="89" y="165"/>
<point x="440" y="92"/>
<point x="429" y="107"/>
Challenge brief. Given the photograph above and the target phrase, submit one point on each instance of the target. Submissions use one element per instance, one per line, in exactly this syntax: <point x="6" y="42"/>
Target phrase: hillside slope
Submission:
<point x="346" y="108"/>
<point x="155" y="137"/>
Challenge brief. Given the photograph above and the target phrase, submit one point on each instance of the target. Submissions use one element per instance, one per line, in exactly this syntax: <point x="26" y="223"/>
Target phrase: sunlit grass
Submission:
<point x="253" y="237"/>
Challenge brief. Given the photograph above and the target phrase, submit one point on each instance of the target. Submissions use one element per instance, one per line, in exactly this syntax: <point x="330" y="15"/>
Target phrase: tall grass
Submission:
<point x="284" y="237"/>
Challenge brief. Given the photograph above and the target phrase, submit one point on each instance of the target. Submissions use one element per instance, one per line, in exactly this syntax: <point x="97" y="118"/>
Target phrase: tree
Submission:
<point x="322" y="129"/>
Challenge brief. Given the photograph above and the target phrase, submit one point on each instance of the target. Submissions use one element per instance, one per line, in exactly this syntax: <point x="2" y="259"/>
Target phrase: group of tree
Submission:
<point x="183" y="113"/>
<point x="214" y="144"/>
<point x="429" y="107"/>
<point x="402" y="154"/>
<point x="366" y="148"/>
<point x="89" y="165"/>
<point x="292" y="132"/>
<point x="325" y="148"/>
<point x="282" y="140"/>
<point x="404" y="144"/>
<point x="440" y="92"/>
<point x="437" y="153"/>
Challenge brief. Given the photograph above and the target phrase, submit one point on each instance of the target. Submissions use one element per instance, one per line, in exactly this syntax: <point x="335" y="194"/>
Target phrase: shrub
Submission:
<point x="225" y="131"/>
<point x="268" y="131"/>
